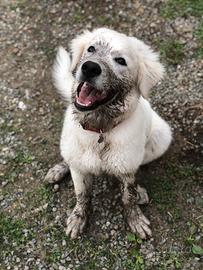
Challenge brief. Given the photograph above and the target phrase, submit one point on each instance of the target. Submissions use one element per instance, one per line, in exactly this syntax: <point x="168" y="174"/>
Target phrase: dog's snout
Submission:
<point x="91" y="69"/>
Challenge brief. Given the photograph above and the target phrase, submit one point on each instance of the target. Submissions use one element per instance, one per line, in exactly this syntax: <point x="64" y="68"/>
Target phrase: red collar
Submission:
<point x="97" y="130"/>
<point x="87" y="128"/>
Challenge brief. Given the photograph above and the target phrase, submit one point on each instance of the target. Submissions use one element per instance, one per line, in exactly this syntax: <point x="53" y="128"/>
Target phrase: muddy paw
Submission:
<point x="138" y="223"/>
<point x="142" y="195"/>
<point x="57" y="173"/>
<point x="75" y="225"/>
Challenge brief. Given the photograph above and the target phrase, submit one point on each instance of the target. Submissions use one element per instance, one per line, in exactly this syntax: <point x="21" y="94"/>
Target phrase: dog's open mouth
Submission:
<point x="89" y="98"/>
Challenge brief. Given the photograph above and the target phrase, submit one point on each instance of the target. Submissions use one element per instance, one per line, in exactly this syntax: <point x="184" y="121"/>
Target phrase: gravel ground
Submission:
<point x="32" y="214"/>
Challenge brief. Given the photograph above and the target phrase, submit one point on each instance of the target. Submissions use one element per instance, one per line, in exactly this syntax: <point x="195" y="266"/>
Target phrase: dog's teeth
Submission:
<point x="84" y="104"/>
<point x="79" y="102"/>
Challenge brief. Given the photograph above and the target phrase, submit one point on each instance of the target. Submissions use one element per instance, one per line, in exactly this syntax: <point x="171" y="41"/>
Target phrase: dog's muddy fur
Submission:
<point x="131" y="134"/>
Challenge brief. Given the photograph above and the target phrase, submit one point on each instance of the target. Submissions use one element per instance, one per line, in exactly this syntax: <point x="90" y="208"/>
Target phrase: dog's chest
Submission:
<point x="90" y="156"/>
<point x="119" y="152"/>
<point x="94" y="156"/>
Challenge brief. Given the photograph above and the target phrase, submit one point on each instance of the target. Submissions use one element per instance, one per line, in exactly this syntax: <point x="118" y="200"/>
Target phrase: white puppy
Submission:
<point x="109" y="126"/>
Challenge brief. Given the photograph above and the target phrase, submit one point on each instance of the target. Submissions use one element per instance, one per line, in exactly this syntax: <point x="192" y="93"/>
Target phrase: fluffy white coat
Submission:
<point x="139" y="138"/>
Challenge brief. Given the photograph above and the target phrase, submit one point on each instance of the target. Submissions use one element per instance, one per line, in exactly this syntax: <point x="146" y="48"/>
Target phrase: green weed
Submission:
<point x="13" y="231"/>
<point x="183" y="8"/>
<point x="172" y="51"/>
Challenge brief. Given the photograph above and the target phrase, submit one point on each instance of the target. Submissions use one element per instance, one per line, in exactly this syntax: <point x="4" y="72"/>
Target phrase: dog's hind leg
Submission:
<point x="78" y="218"/>
<point x="57" y="173"/>
<point x="159" y="140"/>
<point x="133" y="195"/>
<point x="142" y="196"/>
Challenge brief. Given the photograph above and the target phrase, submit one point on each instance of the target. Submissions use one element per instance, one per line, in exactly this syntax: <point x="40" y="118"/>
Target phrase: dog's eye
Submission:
<point x="91" y="49"/>
<point x="121" y="61"/>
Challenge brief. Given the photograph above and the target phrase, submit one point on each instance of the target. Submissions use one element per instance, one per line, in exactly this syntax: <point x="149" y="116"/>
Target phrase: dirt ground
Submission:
<point x="33" y="214"/>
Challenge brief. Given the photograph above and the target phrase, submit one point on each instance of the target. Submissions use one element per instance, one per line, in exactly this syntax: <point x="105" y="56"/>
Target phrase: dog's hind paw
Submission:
<point x="75" y="225"/>
<point x="138" y="223"/>
<point x="142" y="195"/>
<point x="57" y="173"/>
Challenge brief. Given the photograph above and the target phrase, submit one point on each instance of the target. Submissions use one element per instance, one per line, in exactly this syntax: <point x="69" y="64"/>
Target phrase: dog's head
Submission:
<point x="111" y="71"/>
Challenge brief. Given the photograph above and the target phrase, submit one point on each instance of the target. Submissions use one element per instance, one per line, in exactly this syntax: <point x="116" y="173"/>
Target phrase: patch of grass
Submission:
<point x="39" y="203"/>
<point x="182" y="8"/>
<point x="191" y="241"/>
<point x="176" y="213"/>
<point x="48" y="50"/>
<point x="165" y="189"/>
<point x="45" y="193"/>
<point x="18" y="4"/>
<point x="21" y="157"/>
<point x="172" y="260"/>
<point x="135" y="261"/>
<point x="197" y="250"/>
<point x="199" y="32"/>
<point x="132" y="238"/>
<point x="16" y="164"/>
<point x="163" y="194"/>
<point x="199" y="35"/>
<point x="92" y="251"/>
<point x="53" y="256"/>
<point x="39" y="197"/>
<point x="78" y="18"/>
<point x="172" y="51"/>
<point x="10" y="176"/>
<point x="13" y="231"/>
<point x="104" y="20"/>
<point x="78" y="15"/>
<point x="6" y="127"/>
<point x="134" y="265"/>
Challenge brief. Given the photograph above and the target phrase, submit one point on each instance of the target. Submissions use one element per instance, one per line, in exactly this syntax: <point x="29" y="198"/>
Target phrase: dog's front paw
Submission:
<point x="75" y="224"/>
<point x="57" y="173"/>
<point x="137" y="222"/>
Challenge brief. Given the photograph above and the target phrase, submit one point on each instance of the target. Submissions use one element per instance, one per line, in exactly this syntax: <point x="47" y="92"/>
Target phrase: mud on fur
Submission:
<point x="106" y="85"/>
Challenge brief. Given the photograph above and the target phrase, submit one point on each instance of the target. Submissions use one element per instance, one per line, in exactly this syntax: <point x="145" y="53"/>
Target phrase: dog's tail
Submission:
<point x="63" y="78"/>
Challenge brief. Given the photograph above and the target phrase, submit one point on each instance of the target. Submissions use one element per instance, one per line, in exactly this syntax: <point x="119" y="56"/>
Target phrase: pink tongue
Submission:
<point x="88" y="95"/>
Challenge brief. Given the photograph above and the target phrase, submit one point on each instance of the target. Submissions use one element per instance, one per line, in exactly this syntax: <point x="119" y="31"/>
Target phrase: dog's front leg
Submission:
<point x="78" y="218"/>
<point x="57" y="173"/>
<point x="132" y="195"/>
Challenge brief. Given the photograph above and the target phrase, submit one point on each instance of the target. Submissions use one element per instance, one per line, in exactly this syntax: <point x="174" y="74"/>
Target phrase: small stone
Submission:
<point x="56" y="187"/>
<point x="17" y="260"/>
<point x="68" y="259"/>
<point x="62" y="267"/>
<point x="152" y="25"/>
<point x="113" y="232"/>
<point x="64" y="243"/>
<point x="45" y="206"/>
<point x="108" y="223"/>
<point x="4" y="183"/>
<point x="22" y="106"/>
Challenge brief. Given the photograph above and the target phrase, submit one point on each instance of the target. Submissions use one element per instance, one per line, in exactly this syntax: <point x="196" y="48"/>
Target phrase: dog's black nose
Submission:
<point x="91" y="69"/>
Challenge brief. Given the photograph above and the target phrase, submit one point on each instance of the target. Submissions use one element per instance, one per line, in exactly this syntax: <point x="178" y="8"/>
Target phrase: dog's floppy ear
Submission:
<point x="150" y="70"/>
<point x="77" y="47"/>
